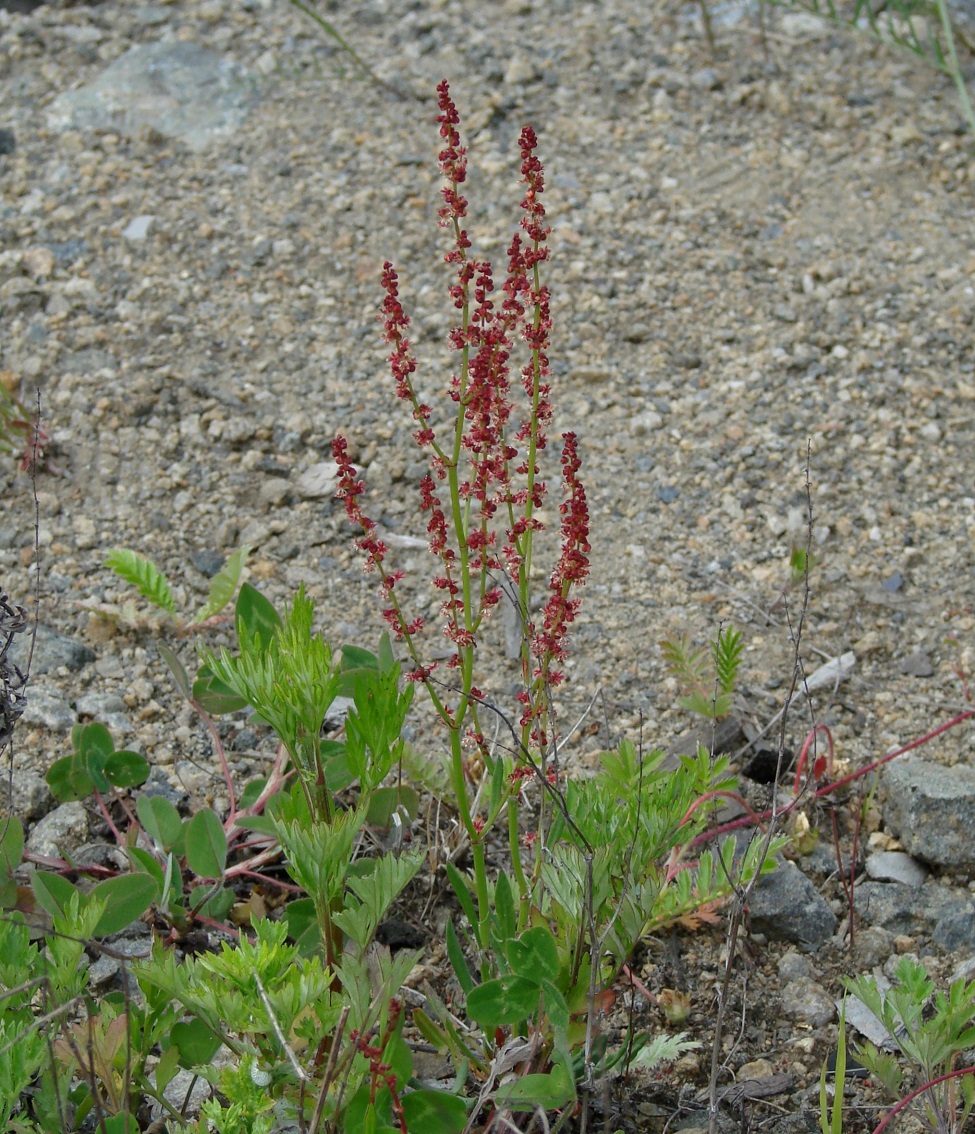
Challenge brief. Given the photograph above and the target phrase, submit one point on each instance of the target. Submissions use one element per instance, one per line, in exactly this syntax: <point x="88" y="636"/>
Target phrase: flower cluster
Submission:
<point x="483" y="489"/>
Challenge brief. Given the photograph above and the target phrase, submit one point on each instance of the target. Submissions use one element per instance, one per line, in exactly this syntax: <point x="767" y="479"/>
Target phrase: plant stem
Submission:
<point x="963" y="96"/>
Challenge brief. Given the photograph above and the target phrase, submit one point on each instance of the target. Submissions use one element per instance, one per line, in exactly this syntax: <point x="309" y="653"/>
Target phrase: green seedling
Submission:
<point x="708" y="677"/>
<point x="153" y="585"/>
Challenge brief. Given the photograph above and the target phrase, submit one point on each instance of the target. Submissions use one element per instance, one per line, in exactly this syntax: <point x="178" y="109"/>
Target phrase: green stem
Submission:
<point x="332" y="31"/>
<point x="517" y="867"/>
<point x="963" y="96"/>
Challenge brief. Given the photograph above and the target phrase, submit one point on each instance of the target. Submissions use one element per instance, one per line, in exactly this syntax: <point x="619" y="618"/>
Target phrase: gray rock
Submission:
<point x="317" y="481"/>
<point x="931" y="810"/>
<point x="786" y="906"/>
<point x="872" y="946"/>
<point x="48" y="708"/>
<point x="51" y="651"/>
<point x="181" y="90"/>
<point x="107" y="708"/>
<point x="60" y="832"/>
<point x="24" y="794"/>
<point x="207" y="561"/>
<point x="948" y="918"/>
<point x="138" y="228"/>
<point x="794" y="966"/>
<point x="808" y="1002"/>
<point x="895" y="866"/>
<point x="918" y="664"/>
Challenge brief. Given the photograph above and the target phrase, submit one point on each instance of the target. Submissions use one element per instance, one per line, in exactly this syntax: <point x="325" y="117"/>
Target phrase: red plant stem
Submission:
<point x="711" y="795"/>
<point x="920" y="1091"/>
<point x="116" y="833"/>
<point x="800" y="766"/>
<point x="761" y="817"/>
<point x="228" y="825"/>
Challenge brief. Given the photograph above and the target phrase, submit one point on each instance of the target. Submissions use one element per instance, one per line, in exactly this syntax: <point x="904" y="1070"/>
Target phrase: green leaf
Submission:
<point x="251" y="793"/>
<point x="144" y="861"/>
<point x="206" y="845"/>
<point x="549" y="1091"/>
<point x="355" y="661"/>
<point x="223" y="585"/>
<point x="434" y="1112"/>
<point x="386" y="802"/>
<point x="457" y="959"/>
<point x="93" y="746"/>
<point x="255" y="618"/>
<point x="93" y="740"/>
<point x="126" y="898"/>
<point x="53" y="892"/>
<point x="196" y="1042"/>
<point x="68" y="780"/>
<point x="460" y="888"/>
<point x="142" y="574"/>
<point x="178" y="670"/>
<point x="215" y="696"/>
<point x="11" y="844"/>
<point x="534" y="954"/>
<point x="504" y="906"/>
<point x="506" y="1000"/>
<point x="126" y="769"/>
<point x="160" y="820"/>
<point x="217" y="907"/>
<point x="302" y="923"/>
<point x="167" y="1066"/>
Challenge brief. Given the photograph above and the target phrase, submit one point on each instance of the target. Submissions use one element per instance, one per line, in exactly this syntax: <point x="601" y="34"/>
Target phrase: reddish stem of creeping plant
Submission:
<point x="828" y="789"/>
<point x="822" y="764"/>
<point x="920" y="1091"/>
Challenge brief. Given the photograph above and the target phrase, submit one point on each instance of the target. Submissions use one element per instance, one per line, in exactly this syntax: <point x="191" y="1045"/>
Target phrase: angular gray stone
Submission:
<point x="51" y="651"/>
<point x="948" y="918"/>
<point x="181" y="90"/>
<point x="60" y="832"/>
<point x="918" y="664"/>
<point x="931" y="810"/>
<point x="786" y="906"/>
<point x="895" y="866"/>
<point x="808" y="1002"/>
<point x="24" y="794"/>
<point x="108" y="709"/>
<point x="48" y="708"/>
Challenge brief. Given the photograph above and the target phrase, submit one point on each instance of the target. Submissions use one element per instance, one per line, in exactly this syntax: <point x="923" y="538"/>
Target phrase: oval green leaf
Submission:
<point x="206" y="845"/>
<point x="160" y="819"/>
<point x="196" y="1042"/>
<point x="68" y="781"/>
<point x="255" y="618"/>
<point x="126" y="769"/>
<point x="11" y="844"/>
<point x="126" y="898"/>
<point x="214" y="696"/>
<point x="434" y="1112"/>
<point x="508" y="1000"/>
<point x="52" y="891"/>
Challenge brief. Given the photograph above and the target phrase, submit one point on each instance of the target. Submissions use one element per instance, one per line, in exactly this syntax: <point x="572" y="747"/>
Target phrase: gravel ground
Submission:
<point x="752" y="252"/>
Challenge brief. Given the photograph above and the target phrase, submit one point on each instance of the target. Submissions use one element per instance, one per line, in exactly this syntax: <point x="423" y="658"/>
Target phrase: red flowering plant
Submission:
<point x="482" y="495"/>
<point x="602" y="861"/>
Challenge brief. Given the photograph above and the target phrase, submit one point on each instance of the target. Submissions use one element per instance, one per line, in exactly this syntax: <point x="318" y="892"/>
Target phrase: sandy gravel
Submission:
<point x="752" y="253"/>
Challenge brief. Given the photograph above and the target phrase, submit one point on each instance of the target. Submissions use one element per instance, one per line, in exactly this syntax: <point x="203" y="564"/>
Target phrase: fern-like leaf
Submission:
<point x="144" y="575"/>
<point x="685" y="662"/>
<point x="727" y="651"/>
<point x="223" y="585"/>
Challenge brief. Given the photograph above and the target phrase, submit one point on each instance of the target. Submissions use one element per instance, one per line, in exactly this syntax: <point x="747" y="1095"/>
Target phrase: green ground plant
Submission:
<point x="708" y="677"/>
<point x="933" y="1031"/>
